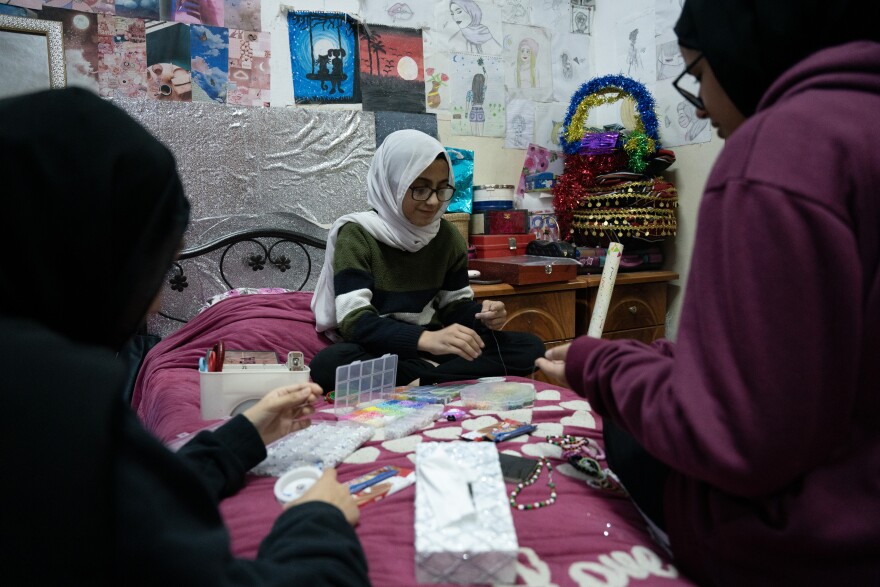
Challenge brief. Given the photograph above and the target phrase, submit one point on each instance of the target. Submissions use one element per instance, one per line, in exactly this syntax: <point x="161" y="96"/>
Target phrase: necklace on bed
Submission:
<point x="537" y="504"/>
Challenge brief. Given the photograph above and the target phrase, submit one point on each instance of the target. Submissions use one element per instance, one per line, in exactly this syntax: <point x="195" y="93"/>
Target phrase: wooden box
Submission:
<point x="526" y="269"/>
<point x="500" y="245"/>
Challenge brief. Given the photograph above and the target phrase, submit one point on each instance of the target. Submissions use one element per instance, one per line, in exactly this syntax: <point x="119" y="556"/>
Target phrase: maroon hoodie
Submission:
<point x="768" y="407"/>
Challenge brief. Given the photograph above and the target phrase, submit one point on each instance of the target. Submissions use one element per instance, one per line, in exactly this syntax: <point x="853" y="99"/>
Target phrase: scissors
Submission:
<point x="215" y="357"/>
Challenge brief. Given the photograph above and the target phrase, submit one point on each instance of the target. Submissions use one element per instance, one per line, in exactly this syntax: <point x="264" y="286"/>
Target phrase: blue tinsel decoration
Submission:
<point x="644" y="106"/>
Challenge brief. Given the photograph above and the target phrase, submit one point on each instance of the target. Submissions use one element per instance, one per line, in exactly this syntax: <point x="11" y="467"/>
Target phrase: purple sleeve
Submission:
<point x="763" y="371"/>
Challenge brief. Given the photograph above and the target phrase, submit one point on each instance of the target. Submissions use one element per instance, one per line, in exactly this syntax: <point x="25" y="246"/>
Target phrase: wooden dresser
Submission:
<point x="559" y="312"/>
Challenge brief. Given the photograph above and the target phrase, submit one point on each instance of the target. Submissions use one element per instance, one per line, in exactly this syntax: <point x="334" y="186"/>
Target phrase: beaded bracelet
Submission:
<point x="573" y="446"/>
<point x="537" y="504"/>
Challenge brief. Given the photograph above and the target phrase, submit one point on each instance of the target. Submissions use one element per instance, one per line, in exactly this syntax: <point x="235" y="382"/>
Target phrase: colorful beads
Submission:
<point x="537" y="504"/>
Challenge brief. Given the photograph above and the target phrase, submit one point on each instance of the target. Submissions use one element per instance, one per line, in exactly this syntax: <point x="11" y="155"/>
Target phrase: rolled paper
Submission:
<point x="606" y="287"/>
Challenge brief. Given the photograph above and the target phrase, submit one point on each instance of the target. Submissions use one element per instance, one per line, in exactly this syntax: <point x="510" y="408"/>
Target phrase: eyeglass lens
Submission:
<point x="689" y="86"/>
<point x="424" y="193"/>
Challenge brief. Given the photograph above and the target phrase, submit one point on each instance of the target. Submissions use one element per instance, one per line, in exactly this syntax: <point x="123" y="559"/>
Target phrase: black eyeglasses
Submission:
<point x="693" y="99"/>
<point x="423" y="194"/>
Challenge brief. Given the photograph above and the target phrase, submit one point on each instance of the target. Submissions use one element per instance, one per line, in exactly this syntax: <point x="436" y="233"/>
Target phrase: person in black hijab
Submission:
<point x="90" y="497"/>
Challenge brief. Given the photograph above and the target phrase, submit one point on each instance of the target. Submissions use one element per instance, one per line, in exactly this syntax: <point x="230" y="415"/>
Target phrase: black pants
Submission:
<point x="505" y="353"/>
<point x="643" y="476"/>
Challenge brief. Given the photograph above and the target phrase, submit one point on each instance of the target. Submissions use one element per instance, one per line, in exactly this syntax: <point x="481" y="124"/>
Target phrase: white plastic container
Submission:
<point x="238" y="387"/>
<point x="493" y="197"/>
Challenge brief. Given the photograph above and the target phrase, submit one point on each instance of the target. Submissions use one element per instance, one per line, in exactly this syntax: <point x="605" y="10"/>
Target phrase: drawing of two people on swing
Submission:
<point x="330" y="69"/>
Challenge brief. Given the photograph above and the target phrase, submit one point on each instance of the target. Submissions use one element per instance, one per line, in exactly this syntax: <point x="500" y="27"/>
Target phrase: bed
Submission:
<point x="590" y="536"/>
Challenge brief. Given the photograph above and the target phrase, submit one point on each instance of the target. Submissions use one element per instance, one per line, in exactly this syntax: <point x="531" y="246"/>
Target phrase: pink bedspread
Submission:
<point x="588" y="537"/>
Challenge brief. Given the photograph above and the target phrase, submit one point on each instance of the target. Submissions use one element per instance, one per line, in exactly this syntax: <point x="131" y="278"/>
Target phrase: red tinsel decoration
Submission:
<point x="580" y="173"/>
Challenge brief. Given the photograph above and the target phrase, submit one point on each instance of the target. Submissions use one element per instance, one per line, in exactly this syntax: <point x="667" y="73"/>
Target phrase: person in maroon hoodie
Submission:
<point x="753" y="442"/>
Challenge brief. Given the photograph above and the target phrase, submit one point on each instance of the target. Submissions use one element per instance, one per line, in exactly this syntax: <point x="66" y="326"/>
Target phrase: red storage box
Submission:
<point x="501" y="245"/>
<point x="500" y="222"/>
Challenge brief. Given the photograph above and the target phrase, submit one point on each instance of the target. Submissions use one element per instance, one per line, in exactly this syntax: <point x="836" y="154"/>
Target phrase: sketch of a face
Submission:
<point x="686" y="113"/>
<point x="525" y="53"/>
<point x="580" y="22"/>
<point x="461" y="16"/>
<point x="567" y="71"/>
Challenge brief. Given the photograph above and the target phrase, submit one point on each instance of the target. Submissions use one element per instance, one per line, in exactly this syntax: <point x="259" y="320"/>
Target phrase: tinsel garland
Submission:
<point x="638" y="147"/>
<point x="580" y="173"/>
<point x="606" y="90"/>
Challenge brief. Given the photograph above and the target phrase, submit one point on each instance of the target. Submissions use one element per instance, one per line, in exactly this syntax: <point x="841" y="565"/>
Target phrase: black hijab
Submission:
<point x="750" y="43"/>
<point x="93" y="214"/>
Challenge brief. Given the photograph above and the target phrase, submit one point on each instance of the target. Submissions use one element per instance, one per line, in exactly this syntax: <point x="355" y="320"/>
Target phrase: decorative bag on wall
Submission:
<point x="609" y="190"/>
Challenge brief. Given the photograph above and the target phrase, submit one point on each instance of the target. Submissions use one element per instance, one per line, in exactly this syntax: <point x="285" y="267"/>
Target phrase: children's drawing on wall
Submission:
<point x="527" y="62"/>
<point x="549" y="118"/>
<point x="249" y="53"/>
<point x="516" y="12"/>
<point x="670" y="63"/>
<point x="520" y="124"/>
<point x="582" y="12"/>
<point x="470" y="26"/>
<point x="168" y="62"/>
<point x="635" y="48"/>
<point x="323" y="57"/>
<point x="669" y="60"/>
<point x="474" y="101"/>
<point x="437" y="68"/>
<point x="477" y="96"/>
<point x="405" y="13"/>
<point x="552" y="14"/>
<point x="571" y="62"/>
<point x="678" y="120"/>
<point x="436" y="80"/>
<point x="209" y="47"/>
<point x="242" y="14"/>
<point x="193" y="11"/>
<point x="391" y="69"/>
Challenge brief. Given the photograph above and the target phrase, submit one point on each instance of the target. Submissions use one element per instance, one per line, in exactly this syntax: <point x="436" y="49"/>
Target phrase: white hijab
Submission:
<point x="398" y="161"/>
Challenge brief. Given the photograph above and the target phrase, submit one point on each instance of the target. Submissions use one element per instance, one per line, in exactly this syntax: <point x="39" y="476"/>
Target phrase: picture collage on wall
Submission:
<point x="408" y="56"/>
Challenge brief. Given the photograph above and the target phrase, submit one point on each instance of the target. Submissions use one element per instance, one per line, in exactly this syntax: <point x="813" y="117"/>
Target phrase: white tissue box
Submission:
<point x="464" y="526"/>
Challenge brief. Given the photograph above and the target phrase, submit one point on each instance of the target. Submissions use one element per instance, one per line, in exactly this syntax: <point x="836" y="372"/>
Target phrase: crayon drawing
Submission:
<point x="324" y="58"/>
<point x="437" y="68"/>
<point x="391" y="69"/>
<point x="527" y="62"/>
<point x="477" y="95"/>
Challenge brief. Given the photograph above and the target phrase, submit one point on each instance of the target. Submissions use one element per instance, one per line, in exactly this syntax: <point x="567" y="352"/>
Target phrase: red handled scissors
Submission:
<point x="215" y="357"/>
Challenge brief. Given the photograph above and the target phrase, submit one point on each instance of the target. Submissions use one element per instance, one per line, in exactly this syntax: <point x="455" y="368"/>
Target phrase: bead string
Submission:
<point x="584" y="455"/>
<point x="576" y="446"/>
<point x="537" y="504"/>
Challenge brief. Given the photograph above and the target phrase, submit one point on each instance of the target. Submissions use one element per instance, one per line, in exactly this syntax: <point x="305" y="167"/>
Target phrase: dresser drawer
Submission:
<point x="632" y="306"/>
<point x="549" y="316"/>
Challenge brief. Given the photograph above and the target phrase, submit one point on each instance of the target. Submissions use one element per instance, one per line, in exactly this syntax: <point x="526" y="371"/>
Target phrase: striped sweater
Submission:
<point x="386" y="297"/>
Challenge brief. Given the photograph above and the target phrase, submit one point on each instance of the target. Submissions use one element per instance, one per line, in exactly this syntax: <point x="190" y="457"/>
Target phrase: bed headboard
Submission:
<point x="249" y="258"/>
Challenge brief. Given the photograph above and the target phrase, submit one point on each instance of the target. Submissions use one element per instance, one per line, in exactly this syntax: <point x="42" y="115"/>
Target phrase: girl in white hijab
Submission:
<point x="395" y="280"/>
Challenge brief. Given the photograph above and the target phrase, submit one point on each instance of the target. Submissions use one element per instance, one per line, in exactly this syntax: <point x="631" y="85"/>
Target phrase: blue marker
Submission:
<point x="369" y="482"/>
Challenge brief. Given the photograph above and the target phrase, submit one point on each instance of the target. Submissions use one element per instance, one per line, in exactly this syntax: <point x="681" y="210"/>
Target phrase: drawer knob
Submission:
<point x="548" y="269"/>
<point x="633" y="309"/>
